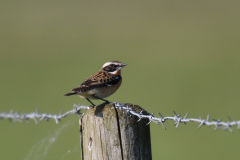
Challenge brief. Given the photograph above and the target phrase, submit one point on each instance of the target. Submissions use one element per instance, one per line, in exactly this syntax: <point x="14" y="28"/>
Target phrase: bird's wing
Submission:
<point x="98" y="80"/>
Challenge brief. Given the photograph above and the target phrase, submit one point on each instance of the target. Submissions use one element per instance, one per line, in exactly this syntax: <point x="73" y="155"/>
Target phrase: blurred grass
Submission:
<point x="182" y="56"/>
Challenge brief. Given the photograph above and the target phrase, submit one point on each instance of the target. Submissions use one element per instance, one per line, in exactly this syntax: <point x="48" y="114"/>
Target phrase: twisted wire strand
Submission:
<point x="177" y="119"/>
<point x="124" y="107"/>
<point x="41" y="116"/>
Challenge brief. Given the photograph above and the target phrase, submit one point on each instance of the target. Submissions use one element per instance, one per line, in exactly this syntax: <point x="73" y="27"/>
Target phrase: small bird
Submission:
<point x="102" y="84"/>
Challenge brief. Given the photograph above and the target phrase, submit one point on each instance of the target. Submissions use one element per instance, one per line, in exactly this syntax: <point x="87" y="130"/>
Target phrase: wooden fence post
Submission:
<point x="106" y="133"/>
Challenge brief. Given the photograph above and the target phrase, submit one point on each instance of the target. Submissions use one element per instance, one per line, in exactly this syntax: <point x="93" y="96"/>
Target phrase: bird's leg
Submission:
<point x="101" y="99"/>
<point x="90" y="102"/>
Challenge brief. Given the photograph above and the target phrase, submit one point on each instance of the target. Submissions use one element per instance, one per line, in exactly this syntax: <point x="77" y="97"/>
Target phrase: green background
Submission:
<point x="182" y="56"/>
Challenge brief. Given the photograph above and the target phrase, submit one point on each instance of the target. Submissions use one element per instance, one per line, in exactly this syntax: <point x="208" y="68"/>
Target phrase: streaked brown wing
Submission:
<point x="99" y="79"/>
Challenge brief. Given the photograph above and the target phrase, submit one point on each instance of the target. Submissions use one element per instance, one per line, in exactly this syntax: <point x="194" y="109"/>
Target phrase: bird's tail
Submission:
<point x="69" y="94"/>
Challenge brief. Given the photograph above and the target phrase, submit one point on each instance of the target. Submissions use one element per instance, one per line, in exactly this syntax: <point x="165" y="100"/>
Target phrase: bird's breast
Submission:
<point x="106" y="91"/>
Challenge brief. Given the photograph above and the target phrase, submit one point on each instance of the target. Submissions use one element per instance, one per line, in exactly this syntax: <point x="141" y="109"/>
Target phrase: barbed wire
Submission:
<point x="217" y="123"/>
<point x="124" y="107"/>
<point x="38" y="116"/>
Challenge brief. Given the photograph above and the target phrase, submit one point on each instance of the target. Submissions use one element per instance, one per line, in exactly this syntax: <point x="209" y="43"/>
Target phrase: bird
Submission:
<point x="102" y="84"/>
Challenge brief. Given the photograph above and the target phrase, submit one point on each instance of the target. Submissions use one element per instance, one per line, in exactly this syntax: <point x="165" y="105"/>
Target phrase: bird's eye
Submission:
<point x="111" y="65"/>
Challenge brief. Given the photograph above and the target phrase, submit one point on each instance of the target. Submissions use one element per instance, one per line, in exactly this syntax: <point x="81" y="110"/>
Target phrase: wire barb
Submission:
<point x="39" y="117"/>
<point x="126" y="109"/>
<point x="177" y="119"/>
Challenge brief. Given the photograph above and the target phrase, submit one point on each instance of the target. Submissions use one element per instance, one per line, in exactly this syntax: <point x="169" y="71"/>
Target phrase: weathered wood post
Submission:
<point x="106" y="133"/>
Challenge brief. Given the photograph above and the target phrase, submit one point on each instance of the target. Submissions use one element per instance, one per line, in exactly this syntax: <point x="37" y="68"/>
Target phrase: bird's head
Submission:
<point x="113" y="67"/>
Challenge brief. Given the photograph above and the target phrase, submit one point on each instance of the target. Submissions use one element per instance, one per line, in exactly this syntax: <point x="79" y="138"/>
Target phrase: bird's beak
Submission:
<point x="123" y="64"/>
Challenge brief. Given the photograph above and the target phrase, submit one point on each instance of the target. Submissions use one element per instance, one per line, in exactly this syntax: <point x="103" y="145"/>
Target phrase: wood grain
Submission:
<point x="106" y="133"/>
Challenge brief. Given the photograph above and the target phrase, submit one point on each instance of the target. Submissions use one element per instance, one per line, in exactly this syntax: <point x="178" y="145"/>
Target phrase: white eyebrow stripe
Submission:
<point x="106" y="64"/>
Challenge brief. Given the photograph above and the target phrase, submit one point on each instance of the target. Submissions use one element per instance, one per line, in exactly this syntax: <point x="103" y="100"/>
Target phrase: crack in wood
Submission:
<point x="113" y="132"/>
<point x="119" y="132"/>
<point x="81" y="135"/>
